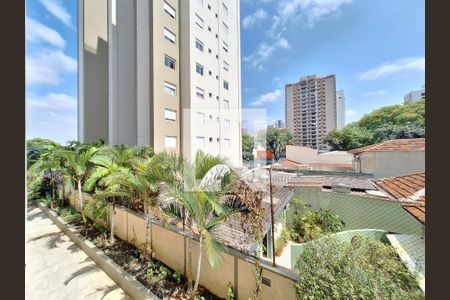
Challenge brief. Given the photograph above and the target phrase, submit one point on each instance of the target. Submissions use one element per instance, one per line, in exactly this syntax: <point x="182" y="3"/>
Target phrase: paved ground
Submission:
<point x="56" y="268"/>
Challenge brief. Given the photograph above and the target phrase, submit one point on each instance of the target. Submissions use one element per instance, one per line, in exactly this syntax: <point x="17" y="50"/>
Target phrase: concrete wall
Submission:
<point x="170" y="247"/>
<point x="92" y="70"/>
<point x="309" y="155"/>
<point x="360" y="212"/>
<point x="390" y="164"/>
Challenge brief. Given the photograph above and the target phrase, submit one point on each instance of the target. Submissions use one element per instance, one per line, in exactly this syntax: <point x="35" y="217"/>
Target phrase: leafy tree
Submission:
<point x="389" y="122"/>
<point x="330" y="268"/>
<point x="248" y="144"/>
<point x="277" y="139"/>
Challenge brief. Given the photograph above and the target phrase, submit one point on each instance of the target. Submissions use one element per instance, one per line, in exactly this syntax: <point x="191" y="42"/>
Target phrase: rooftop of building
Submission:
<point x="400" y="145"/>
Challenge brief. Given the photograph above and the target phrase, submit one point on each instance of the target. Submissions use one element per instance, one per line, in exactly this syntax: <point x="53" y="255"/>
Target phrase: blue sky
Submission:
<point x="375" y="48"/>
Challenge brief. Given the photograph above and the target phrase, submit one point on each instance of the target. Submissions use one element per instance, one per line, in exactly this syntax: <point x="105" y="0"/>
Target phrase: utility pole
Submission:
<point x="271" y="216"/>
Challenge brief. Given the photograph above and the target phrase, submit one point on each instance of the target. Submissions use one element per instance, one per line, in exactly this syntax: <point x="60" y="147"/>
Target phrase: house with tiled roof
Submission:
<point x="390" y="158"/>
<point x="409" y="188"/>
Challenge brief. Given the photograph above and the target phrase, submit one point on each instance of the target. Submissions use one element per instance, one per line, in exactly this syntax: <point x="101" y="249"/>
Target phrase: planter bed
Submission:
<point x="161" y="280"/>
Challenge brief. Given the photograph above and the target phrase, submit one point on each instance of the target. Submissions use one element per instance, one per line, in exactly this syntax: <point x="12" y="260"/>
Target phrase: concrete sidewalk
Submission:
<point x="56" y="268"/>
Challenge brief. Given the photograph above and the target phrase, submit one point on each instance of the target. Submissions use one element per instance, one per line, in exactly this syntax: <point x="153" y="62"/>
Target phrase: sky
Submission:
<point x="376" y="49"/>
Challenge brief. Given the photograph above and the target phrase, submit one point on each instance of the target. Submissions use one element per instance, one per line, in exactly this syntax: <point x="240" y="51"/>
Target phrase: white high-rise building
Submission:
<point x="340" y="109"/>
<point x="164" y="73"/>
<point x="310" y="109"/>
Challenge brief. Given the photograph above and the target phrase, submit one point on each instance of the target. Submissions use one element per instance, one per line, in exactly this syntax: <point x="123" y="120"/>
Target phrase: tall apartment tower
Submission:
<point x="310" y="109"/>
<point x="340" y="109"/>
<point x="164" y="73"/>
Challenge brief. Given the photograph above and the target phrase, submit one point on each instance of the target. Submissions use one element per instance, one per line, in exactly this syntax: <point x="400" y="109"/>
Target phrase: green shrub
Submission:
<point x="330" y="268"/>
<point x="281" y="241"/>
<point x="329" y="222"/>
<point x="177" y="276"/>
<point x="99" y="211"/>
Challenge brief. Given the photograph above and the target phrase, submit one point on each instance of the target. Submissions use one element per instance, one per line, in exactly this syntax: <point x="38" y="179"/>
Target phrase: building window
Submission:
<point x="199" y="21"/>
<point x="225" y="28"/>
<point x="200" y="141"/>
<point x="200" y="92"/>
<point x="225" y="47"/>
<point x="225" y="10"/>
<point x="170" y="114"/>
<point x="199" y="45"/>
<point x="227" y="143"/>
<point x="170" y="11"/>
<point x="170" y="89"/>
<point x="201" y="117"/>
<point x="169" y="62"/>
<point x="199" y="69"/>
<point x="226" y="104"/>
<point x="169" y="35"/>
<point x="226" y="123"/>
<point x="226" y="85"/>
<point x="226" y="67"/>
<point x="170" y="141"/>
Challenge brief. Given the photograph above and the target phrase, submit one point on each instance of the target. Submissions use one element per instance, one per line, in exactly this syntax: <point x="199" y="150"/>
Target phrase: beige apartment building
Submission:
<point x="310" y="109"/>
<point x="164" y="73"/>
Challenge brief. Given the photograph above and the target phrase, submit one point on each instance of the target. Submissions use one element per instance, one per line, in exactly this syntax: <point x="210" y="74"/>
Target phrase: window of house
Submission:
<point x="170" y="114"/>
<point x="225" y="28"/>
<point x="169" y="35"/>
<point x="199" y="45"/>
<point x="225" y="10"/>
<point x="226" y="104"/>
<point x="201" y="117"/>
<point x="199" y="69"/>
<point x="226" y="67"/>
<point x="226" y="85"/>
<point x="226" y="123"/>
<point x="200" y="92"/>
<point x="199" y="21"/>
<point x="169" y="61"/>
<point x="227" y="143"/>
<point x="225" y="47"/>
<point x="170" y="141"/>
<point x="170" y="88"/>
<point x="200" y="141"/>
<point x="170" y="11"/>
<point x="210" y="139"/>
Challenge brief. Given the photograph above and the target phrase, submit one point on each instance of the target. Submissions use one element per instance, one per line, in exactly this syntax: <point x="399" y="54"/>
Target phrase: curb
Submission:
<point x="130" y="285"/>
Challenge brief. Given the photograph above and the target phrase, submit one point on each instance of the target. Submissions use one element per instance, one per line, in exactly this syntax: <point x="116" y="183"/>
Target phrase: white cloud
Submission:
<point x="375" y="93"/>
<point x="400" y="66"/>
<point x="263" y="52"/>
<point x="37" y="32"/>
<point x="52" y="116"/>
<point x="46" y="67"/>
<point x="309" y="11"/>
<point x="57" y="9"/>
<point x="254" y="18"/>
<point x="352" y="116"/>
<point x="267" y="98"/>
<point x="51" y="102"/>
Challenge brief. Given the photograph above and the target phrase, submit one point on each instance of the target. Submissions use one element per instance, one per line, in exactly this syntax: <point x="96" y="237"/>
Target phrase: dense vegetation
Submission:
<point x="363" y="269"/>
<point x="248" y="144"/>
<point x="303" y="225"/>
<point x="386" y="123"/>
<point x="198" y="193"/>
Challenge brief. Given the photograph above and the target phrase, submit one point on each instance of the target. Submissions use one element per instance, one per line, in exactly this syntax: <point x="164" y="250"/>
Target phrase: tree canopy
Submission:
<point x="276" y="141"/>
<point x="248" y="143"/>
<point x="386" y="123"/>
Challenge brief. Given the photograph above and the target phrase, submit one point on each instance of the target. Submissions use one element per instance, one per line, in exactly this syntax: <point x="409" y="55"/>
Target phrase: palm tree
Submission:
<point x="76" y="164"/>
<point x="200" y="207"/>
<point x="44" y="162"/>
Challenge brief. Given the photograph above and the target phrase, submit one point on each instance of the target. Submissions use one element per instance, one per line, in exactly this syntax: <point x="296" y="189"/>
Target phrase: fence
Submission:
<point x="361" y="212"/>
<point x="169" y="244"/>
<point x="380" y="235"/>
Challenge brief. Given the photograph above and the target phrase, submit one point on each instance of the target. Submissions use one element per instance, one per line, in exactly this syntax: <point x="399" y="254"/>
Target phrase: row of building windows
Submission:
<point x="200" y="93"/>
<point x="200" y="70"/>
<point x="200" y="141"/>
<point x="201" y="117"/>
<point x="171" y="141"/>
<point x="200" y="46"/>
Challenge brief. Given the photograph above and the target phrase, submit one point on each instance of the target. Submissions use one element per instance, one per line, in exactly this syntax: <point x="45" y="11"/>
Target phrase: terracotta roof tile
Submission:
<point x="403" y="145"/>
<point x="417" y="211"/>
<point x="404" y="186"/>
